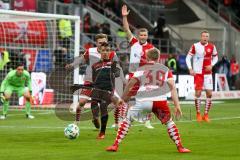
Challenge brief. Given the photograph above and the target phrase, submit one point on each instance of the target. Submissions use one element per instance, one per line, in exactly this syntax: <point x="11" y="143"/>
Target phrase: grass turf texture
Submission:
<point x="42" y="138"/>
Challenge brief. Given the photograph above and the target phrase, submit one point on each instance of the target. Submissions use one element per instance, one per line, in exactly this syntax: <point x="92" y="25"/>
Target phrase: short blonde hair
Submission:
<point x="100" y="36"/>
<point x="142" y="30"/>
<point x="153" y="54"/>
<point x="204" y="31"/>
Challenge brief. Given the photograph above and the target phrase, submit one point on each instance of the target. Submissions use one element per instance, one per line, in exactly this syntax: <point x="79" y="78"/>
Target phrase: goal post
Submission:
<point x="46" y="42"/>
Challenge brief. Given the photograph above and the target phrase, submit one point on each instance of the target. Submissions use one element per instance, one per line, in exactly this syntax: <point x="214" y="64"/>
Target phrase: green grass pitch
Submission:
<point x="42" y="138"/>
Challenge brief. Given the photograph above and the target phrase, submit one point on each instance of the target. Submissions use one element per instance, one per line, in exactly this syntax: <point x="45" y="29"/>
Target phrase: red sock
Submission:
<point x="122" y="131"/>
<point x="116" y="114"/>
<point x="173" y="133"/>
<point x="208" y="105"/>
<point x="78" y="113"/>
<point x="198" y="104"/>
<point x="123" y="108"/>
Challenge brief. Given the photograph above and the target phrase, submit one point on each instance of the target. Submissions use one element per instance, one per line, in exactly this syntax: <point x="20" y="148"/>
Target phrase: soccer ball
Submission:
<point x="71" y="131"/>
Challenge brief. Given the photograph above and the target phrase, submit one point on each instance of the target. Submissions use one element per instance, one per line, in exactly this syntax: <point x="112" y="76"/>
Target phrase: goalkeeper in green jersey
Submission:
<point x="19" y="81"/>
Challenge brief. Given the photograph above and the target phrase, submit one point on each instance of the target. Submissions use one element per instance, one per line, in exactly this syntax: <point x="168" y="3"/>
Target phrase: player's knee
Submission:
<point x="209" y="94"/>
<point x="82" y="102"/>
<point x="169" y="123"/>
<point x="198" y="94"/>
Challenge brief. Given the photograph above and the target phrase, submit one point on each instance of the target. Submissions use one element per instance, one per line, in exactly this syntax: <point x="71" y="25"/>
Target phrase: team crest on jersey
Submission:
<point x="23" y="78"/>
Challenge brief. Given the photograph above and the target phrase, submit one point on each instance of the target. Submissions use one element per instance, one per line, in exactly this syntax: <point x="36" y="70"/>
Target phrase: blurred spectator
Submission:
<point x="87" y="23"/>
<point x="172" y="64"/>
<point x="4" y="59"/>
<point x="83" y="2"/>
<point x="121" y="33"/>
<point x="97" y="28"/>
<point x="65" y="1"/>
<point x="106" y="28"/>
<point x="62" y="57"/>
<point x="15" y="56"/>
<point x="234" y="67"/>
<point x="182" y="65"/>
<point x="227" y="2"/>
<point x="160" y="25"/>
<point x="223" y="66"/>
<point x="109" y="8"/>
<point x="65" y="30"/>
<point x="161" y="33"/>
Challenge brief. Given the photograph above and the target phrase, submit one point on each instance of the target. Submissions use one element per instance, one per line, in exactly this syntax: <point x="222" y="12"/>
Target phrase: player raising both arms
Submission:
<point x="155" y="81"/>
<point x="16" y="81"/>
<point x="204" y="56"/>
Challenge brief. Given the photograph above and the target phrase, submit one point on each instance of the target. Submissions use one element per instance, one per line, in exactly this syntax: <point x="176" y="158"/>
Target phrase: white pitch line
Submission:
<point x="40" y="113"/>
<point x="92" y="128"/>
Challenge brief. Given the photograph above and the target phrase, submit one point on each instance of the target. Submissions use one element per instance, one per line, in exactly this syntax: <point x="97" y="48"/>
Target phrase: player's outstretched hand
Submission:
<point x="125" y="11"/>
<point x="178" y="112"/>
<point x="2" y="97"/>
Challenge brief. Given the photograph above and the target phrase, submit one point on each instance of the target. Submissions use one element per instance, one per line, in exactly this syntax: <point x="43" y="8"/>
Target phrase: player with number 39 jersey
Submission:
<point x="155" y="81"/>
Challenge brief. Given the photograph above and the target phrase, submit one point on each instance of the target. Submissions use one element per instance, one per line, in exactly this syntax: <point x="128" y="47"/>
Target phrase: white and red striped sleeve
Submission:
<point x="113" y="56"/>
<point x="214" y="56"/>
<point x="191" y="52"/>
<point x="137" y="76"/>
<point x="86" y="55"/>
<point x="133" y="41"/>
<point x="169" y="75"/>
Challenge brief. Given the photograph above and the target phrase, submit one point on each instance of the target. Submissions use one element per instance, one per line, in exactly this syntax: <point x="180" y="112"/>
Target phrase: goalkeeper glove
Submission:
<point x="2" y="97"/>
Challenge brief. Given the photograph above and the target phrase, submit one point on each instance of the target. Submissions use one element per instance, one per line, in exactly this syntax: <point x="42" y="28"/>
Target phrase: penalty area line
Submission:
<point x="92" y="128"/>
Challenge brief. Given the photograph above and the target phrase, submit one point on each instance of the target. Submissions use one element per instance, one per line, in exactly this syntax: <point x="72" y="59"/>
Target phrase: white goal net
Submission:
<point x="46" y="42"/>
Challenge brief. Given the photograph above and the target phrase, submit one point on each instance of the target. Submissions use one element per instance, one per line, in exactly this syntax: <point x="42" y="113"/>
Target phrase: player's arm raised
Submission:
<point x="174" y="95"/>
<point x="125" y="13"/>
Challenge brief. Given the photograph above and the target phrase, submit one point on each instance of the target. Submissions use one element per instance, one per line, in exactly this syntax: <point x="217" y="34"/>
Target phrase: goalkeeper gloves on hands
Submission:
<point x="2" y="97"/>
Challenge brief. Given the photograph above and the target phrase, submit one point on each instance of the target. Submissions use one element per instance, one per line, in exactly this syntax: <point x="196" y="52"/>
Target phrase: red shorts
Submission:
<point x="203" y="81"/>
<point x="162" y="111"/>
<point x="86" y="92"/>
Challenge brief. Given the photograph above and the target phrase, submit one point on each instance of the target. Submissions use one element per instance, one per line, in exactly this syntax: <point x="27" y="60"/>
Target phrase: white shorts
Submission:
<point x="208" y="82"/>
<point x="139" y="112"/>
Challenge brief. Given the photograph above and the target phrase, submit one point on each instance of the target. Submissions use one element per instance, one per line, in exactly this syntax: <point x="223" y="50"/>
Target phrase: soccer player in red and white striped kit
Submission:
<point x="155" y="80"/>
<point x="139" y="47"/>
<point x="204" y="56"/>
